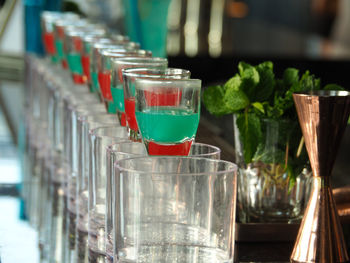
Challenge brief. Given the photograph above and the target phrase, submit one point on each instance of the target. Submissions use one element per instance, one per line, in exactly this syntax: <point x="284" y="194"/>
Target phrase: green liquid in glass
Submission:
<point x="168" y="125"/>
<point x="74" y="62"/>
<point x="118" y="97"/>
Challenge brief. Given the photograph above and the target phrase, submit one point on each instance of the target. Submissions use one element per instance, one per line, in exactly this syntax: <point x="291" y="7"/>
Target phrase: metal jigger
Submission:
<point x="323" y="116"/>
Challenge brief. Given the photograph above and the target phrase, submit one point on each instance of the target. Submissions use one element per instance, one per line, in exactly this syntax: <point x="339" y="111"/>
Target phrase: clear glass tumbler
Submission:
<point x="167" y="113"/>
<point x="129" y="149"/>
<point x="174" y="209"/>
<point x="86" y="122"/>
<point x="100" y="138"/>
<point x="129" y="77"/>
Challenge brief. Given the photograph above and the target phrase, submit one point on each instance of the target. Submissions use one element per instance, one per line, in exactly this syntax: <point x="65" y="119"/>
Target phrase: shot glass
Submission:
<point x="95" y="57"/>
<point x="129" y="77"/>
<point x="174" y="209"/>
<point x="167" y="113"/>
<point x="130" y="149"/>
<point x="88" y="41"/>
<point x="73" y="46"/>
<point x="100" y="138"/>
<point x="118" y="64"/>
<point x="59" y="34"/>
<point x="105" y="69"/>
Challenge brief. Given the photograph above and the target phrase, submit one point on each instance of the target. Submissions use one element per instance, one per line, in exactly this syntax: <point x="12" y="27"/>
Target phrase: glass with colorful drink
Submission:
<point x="117" y="81"/>
<point x="167" y="113"/>
<point x="105" y="68"/>
<point x="129" y="77"/>
<point x="73" y="46"/>
<point x="60" y="26"/>
<point x="88" y="41"/>
<point x="95" y="57"/>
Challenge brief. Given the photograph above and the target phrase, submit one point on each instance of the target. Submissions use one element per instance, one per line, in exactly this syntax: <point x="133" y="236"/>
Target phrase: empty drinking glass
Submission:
<point x="124" y="150"/>
<point x="99" y="140"/>
<point x="174" y="209"/>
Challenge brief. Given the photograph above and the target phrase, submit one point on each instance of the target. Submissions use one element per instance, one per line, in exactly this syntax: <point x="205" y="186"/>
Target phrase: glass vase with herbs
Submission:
<point x="274" y="176"/>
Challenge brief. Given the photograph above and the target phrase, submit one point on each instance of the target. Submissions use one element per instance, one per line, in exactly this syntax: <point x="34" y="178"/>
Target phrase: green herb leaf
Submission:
<point x="259" y="106"/>
<point x="250" y="134"/>
<point x="266" y="83"/>
<point x="233" y="83"/>
<point x="250" y="79"/>
<point x="333" y="87"/>
<point x="235" y="100"/>
<point x="213" y="100"/>
<point x="290" y="77"/>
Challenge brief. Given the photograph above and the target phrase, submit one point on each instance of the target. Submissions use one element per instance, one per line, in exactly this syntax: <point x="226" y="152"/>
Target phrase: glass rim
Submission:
<point x="234" y="167"/>
<point x="138" y="72"/>
<point x="215" y="148"/>
<point x="95" y="131"/>
<point x="191" y="83"/>
<point x="138" y="60"/>
<point x="122" y="51"/>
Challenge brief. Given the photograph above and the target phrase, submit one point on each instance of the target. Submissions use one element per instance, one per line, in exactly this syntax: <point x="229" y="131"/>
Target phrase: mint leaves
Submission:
<point x="255" y="96"/>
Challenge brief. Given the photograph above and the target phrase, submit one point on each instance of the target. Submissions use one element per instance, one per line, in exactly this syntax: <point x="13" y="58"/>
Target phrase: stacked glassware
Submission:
<point x="98" y="107"/>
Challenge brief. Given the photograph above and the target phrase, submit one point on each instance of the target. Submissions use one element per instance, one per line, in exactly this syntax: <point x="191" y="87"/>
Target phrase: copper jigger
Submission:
<point x="323" y="117"/>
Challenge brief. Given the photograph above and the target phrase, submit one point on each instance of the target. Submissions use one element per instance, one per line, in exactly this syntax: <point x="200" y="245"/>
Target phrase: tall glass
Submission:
<point x="174" y="209"/>
<point x="105" y="69"/>
<point x="129" y="77"/>
<point x="118" y="64"/>
<point x="129" y="149"/>
<point x="99" y="140"/>
<point x="86" y="122"/>
<point x="167" y="113"/>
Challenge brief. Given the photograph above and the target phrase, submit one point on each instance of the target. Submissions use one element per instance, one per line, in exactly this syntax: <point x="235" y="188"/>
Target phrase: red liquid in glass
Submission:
<point x="85" y="62"/>
<point x="78" y="79"/>
<point x="64" y="64"/>
<point x="104" y="80"/>
<point x="182" y="149"/>
<point x="167" y="98"/>
<point x="130" y="113"/>
<point x="49" y="42"/>
<point x="123" y="119"/>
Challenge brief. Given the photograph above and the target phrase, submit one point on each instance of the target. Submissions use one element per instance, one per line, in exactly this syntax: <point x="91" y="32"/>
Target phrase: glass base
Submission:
<point x="122" y="118"/>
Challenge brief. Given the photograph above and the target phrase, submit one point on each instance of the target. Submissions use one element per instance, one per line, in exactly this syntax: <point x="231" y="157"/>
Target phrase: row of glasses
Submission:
<point x="171" y="98"/>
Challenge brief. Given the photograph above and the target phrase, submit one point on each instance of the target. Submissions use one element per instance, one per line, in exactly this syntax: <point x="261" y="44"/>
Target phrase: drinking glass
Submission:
<point x="95" y="57"/>
<point x="86" y="122"/>
<point x="118" y="64"/>
<point x="167" y="113"/>
<point x="105" y="68"/>
<point x="99" y="140"/>
<point x="88" y="41"/>
<point x="174" y="209"/>
<point x="129" y="77"/>
<point x="73" y="46"/>
<point x="59" y="32"/>
<point x="129" y="149"/>
<point x="47" y="20"/>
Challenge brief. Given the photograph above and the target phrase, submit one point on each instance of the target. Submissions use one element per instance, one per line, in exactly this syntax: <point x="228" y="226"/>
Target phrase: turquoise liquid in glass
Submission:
<point x="94" y="82"/>
<point x="74" y="62"/>
<point x="167" y="125"/>
<point x="59" y="49"/>
<point x="118" y="97"/>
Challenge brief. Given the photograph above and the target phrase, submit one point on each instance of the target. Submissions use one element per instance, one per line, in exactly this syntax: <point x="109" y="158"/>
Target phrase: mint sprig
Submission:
<point x="254" y="94"/>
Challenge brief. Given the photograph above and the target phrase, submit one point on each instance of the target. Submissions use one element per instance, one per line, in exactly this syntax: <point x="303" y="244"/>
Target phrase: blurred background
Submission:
<point x="208" y="37"/>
